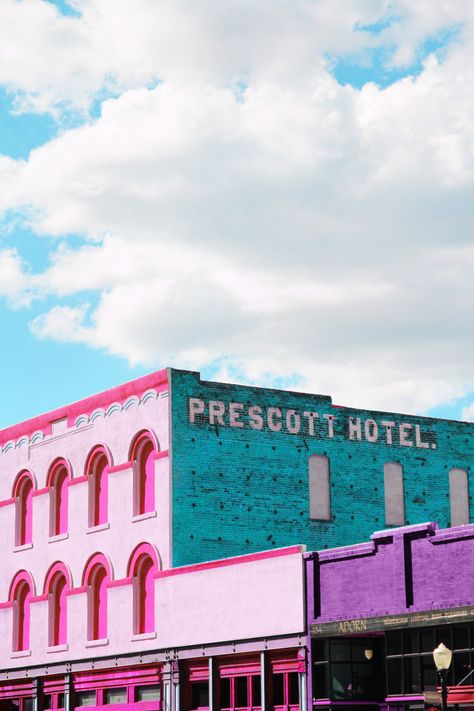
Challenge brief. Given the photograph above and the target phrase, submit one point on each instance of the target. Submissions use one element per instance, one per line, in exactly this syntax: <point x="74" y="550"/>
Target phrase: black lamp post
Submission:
<point x="442" y="658"/>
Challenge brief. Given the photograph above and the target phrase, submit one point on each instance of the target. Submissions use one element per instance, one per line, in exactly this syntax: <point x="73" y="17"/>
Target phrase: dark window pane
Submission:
<point x="60" y="701"/>
<point x="320" y="686"/>
<point x="199" y="694"/>
<point x="341" y="651"/>
<point x="27" y="704"/>
<point x="278" y="696"/>
<point x="428" y="672"/>
<point x="293" y="688"/>
<point x="461" y="668"/>
<point x="394" y="676"/>
<point x="256" y="690"/>
<point x="411" y="666"/>
<point x="460" y="637"/>
<point x="240" y="690"/>
<point x="47" y="701"/>
<point x="427" y="640"/>
<point x="358" y="649"/>
<point x="224" y="689"/>
<point x="443" y="636"/>
<point x="411" y="643"/>
<point x="394" y="643"/>
<point x="319" y="651"/>
<point x="341" y="681"/>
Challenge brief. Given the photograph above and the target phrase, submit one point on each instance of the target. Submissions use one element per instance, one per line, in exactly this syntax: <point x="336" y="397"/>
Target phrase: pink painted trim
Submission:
<point x="40" y="492"/>
<point x="237" y="560"/>
<point x="120" y="467"/>
<point x="77" y="591"/>
<point x="58" y="463"/>
<point x="118" y="583"/>
<point x="157" y="380"/>
<point x="7" y="502"/>
<point x="77" y="480"/>
<point x="162" y="454"/>
<point x="92" y="562"/>
<point x="21" y="576"/>
<point x="39" y="598"/>
<point x="142" y="549"/>
<point x="58" y="567"/>
<point x="4" y="605"/>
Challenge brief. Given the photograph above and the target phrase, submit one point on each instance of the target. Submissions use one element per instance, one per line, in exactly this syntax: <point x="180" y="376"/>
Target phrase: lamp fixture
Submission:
<point x="368" y="653"/>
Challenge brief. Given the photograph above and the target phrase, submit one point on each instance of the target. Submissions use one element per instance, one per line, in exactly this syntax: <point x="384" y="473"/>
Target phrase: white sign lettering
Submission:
<point x="240" y="415"/>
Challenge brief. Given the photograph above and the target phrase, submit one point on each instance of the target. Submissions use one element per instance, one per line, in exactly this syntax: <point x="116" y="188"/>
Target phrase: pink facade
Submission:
<point x="87" y="584"/>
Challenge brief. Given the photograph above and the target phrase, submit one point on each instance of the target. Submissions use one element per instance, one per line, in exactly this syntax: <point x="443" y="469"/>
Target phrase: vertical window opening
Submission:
<point x="97" y="603"/>
<point x="459" y="497"/>
<point x="21" y="617"/>
<point x="98" y="488"/>
<point x="319" y="488"/>
<point x="394" y="497"/>
<point x="58" y="610"/>
<point x="24" y="511"/>
<point x="59" y="501"/>
<point x="143" y="457"/>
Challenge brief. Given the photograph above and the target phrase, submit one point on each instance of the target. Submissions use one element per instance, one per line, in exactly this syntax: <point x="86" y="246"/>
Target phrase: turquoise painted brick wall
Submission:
<point x="240" y="490"/>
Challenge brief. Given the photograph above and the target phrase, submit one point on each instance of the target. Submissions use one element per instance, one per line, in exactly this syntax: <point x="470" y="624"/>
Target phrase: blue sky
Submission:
<point x="311" y="230"/>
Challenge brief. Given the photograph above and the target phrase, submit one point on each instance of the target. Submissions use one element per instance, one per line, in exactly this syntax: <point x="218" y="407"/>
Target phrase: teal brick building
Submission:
<point x="256" y="468"/>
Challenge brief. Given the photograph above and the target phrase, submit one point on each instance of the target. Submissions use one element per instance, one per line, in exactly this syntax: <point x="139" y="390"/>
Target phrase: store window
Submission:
<point x="348" y="669"/>
<point x="319" y="488"/>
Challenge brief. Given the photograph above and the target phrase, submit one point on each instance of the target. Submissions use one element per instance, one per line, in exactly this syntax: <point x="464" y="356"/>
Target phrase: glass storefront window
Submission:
<point x="394" y="676"/>
<point x="199" y="694"/>
<point x="256" y="690"/>
<point x="115" y="696"/>
<point x="85" y="698"/>
<point x="461" y="637"/>
<point x="241" y="691"/>
<point x="461" y="668"/>
<point x="148" y="693"/>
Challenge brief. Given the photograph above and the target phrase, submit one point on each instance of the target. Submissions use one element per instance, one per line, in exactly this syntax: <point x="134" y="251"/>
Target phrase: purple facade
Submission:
<point x="377" y="610"/>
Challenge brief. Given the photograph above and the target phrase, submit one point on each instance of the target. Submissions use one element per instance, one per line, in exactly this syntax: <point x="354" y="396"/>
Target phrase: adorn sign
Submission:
<point x="240" y="415"/>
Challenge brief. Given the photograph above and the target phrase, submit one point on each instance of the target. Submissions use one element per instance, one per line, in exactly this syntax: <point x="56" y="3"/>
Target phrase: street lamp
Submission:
<point x="442" y="658"/>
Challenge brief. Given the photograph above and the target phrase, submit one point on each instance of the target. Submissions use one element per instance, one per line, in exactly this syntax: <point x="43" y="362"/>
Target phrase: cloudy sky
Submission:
<point x="277" y="192"/>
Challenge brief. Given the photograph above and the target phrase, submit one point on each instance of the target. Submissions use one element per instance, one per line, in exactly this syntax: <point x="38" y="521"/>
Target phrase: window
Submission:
<point x="21" y="596"/>
<point x="143" y="457"/>
<point x="97" y="471"/>
<point x="142" y="568"/>
<point x="459" y="497"/>
<point x="115" y="696"/>
<point x="319" y="490"/>
<point x="394" y="499"/>
<point x="342" y="671"/>
<point x="85" y="698"/>
<point x="148" y="693"/>
<point x="96" y="581"/>
<point x="57" y="609"/>
<point x="23" y="493"/>
<point x="58" y="479"/>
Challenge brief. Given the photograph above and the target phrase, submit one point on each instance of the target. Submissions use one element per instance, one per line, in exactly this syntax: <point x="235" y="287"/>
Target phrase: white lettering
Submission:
<point x="371" y="431"/>
<point x="196" y="407"/>
<point x="404" y="442"/>
<point x="235" y="410"/>
<point x="216" y="411"/>
<point x="310" y="417"/>
<point x="418" y="440"/>
<point x="273" y="424"/>
<point x="355" y="430"/>
<point x="388" y="430"/>
<point x="255" y="417"/>
<point x="293" y="421"/>
<point x="330" y="420"/>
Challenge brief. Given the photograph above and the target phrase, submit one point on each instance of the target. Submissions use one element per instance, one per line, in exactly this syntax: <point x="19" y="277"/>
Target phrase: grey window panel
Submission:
<point x="319" y="490"/>
<point x="459" y="497"/>
<point x="394" y="498"/>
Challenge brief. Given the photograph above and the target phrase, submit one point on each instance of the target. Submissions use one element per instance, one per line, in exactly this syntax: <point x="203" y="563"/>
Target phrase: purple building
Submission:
<point x="376" y="612"/>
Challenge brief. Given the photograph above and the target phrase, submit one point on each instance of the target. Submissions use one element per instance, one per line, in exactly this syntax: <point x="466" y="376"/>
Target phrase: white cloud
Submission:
<point x="467" y="414"/>
<point x="293" y="227"/>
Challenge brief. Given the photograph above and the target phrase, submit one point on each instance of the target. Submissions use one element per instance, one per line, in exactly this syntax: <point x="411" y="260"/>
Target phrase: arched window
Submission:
<point x="142" y="454"/>
<point x="96" y="576"/>
<point x="97" y="472"/>
<point x="20" y="595"/>
<point x="57" y="481"/>
<point x="142" y="567"/>
<point x="56" y="585"/>
<point x="23" y="493"/>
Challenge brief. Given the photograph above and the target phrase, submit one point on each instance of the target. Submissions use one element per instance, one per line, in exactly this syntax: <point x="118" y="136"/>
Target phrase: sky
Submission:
<point x="277" y="193"/>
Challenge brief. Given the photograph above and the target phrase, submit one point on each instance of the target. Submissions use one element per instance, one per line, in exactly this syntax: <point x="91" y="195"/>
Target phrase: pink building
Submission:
<point x="92" y="613"/>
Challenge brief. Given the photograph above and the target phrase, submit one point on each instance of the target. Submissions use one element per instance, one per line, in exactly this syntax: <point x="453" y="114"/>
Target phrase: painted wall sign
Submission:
<point x="393" y="622"/>
<point x="240" y="415"/>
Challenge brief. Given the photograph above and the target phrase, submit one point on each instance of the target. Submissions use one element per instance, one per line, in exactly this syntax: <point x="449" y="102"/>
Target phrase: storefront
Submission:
<point x="377" y="611"/>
